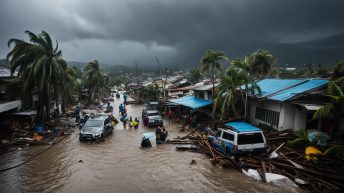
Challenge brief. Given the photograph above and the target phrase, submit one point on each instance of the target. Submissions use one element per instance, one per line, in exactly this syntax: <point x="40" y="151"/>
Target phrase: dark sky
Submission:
<point x="180" y="31"/>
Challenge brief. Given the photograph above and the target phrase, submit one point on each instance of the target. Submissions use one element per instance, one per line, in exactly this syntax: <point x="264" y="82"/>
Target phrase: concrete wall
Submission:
<point x="267" y="104"/>
<point x="300" y="119"/>
<point x="206" y="97"/>
<point x="198" y="94"/>
<point x="290" y="116"/>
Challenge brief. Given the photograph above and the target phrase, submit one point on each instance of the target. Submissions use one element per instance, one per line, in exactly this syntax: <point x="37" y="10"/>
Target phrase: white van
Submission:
<point x="238" y="138"/>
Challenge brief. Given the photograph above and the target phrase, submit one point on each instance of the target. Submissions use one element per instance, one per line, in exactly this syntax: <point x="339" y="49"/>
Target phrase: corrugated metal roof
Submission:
<point x="299" y="89"/>
<point x="206" y="87"/>
<point x="284" y="89"/>
<point x="269" y="86"/>
<point x="242" y="127"/>
<point x="192" y="102"/>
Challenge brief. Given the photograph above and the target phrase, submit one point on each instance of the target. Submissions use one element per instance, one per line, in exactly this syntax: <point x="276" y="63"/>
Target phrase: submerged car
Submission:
<point x="154" y="117"/>
<point x="239" y="138"/>
<point x="96" y="128"/>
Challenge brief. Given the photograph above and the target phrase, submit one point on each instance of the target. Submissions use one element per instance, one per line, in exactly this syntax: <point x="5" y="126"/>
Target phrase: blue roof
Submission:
<point x="299" y="89"/>
<point x="192" y="102"/>
<point x="242" y="127"/>
<point x="284" y="89"/>
<point x="269" y="86"/>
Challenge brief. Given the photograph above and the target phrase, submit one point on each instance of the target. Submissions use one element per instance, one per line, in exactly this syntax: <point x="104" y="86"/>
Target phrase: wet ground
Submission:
<point x="119" y="165"/>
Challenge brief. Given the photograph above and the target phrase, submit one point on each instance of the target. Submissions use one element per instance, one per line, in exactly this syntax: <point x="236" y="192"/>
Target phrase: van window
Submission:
<point x="218" y="134"/>
<point x="250" y="138"/>
<point x="228" y="136"/>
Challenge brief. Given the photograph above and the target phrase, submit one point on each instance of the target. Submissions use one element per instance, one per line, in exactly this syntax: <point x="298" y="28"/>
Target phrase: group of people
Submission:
<point x="160" y="135"/>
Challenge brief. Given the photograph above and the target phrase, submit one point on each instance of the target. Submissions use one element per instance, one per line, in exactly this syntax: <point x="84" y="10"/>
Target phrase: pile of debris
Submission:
<point x="22" y="135"/>
<point x="283" y="164"/>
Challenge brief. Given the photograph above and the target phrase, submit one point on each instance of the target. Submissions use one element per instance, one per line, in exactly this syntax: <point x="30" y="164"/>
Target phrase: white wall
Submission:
<point x="290" y="116"/>
<point x="206" y="97"/>
<point x="300" y="119"/>
<point x="267" y="104"/>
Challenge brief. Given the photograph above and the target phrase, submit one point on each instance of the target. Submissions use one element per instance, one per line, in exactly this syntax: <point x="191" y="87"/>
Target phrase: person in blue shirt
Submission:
<point x="77" y="114"/>
<point x="125" y="98"/>
<point x="121" y="109"/>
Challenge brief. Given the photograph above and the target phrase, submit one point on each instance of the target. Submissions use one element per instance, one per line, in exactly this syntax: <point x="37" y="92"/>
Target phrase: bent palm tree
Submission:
<point x="38" y="64"/>
<point x="211" y="62"/>
<point x="93" y="76"/>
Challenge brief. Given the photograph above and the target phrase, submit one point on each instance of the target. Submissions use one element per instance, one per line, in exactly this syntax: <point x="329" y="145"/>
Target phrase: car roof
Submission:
<point x="102" y="117"/>
<point x="242" y="127"/>
<point x="152" y="111"/>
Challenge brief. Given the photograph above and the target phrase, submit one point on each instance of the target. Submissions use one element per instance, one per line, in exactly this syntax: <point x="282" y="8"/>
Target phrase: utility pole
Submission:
<point x="137" y="78"/>
<point x="160" y="75"/>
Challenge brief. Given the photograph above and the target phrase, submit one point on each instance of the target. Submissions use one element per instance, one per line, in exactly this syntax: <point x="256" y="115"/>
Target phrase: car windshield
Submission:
<point x="153" y="114"/>
<point x="250" y="138"/>
<point x="94" y="123"/>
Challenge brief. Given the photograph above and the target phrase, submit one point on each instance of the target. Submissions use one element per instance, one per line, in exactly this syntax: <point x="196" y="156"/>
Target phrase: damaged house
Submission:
<point x="288" y="103"/>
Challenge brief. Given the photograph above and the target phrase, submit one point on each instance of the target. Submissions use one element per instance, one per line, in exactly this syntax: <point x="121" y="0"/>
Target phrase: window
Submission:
<point x="267" y="116"/>
<point x="218" y="134"/>
<point x="201" y="95"/>
<point x="153" y="114"/>
<point x="250" y="138"/>
<point x="228" y="136"/>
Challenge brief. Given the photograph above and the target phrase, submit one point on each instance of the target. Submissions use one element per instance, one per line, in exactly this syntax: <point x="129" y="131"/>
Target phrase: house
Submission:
<point x="205" y="91"/>
<point x="288" y="103"/>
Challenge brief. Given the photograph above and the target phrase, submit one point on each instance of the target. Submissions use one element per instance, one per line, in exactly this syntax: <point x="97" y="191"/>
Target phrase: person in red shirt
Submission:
<point x="170" y="115"/>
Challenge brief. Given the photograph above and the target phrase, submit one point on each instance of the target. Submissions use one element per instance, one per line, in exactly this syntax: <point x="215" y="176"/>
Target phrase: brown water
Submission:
<point x="120" y="165"/>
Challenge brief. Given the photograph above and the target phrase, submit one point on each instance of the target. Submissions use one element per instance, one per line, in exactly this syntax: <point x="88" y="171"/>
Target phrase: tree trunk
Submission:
<point x="245" y="102"/>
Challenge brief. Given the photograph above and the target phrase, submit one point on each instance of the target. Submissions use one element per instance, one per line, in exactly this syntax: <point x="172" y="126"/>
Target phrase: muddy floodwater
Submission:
<point x="119" y="165"/>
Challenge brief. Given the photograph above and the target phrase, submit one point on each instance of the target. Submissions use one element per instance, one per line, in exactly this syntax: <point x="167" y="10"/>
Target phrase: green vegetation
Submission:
<point x="246" y="71"/>
<point x="95" y="80"/>
<point x="194" y="75"/>
<point x="211" y="62"/>
<point x="151" y="92"/>
<point x="41" y="70"/>
<point x="335" y="108"/>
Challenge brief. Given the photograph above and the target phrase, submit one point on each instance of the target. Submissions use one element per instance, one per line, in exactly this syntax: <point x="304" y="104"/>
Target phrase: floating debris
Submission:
<point x="283" y="164"/>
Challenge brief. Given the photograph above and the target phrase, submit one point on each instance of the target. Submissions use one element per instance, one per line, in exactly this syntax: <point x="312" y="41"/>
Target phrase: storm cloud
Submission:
<point x="180" y="31"/>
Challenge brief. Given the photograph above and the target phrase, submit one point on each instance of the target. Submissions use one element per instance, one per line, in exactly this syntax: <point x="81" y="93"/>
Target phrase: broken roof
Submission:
<point x="284" y="89"/>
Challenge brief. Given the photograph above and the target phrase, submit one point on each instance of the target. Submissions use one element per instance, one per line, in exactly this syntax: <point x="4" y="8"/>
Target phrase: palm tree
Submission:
<point x="211" y="62"/>
<point x="261" y="63"/>
<point x="67" y="85"/>
<point x="195" y="75"/>
<point x="250" y="85"/>
<point x="227" y="90"/>
<point x="335" y="108"/>
<point x="38" y="64"/>
<point x="93" y="77"/>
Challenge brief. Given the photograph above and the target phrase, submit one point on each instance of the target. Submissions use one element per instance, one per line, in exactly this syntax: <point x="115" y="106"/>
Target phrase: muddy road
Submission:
<point x="119" y="165"/>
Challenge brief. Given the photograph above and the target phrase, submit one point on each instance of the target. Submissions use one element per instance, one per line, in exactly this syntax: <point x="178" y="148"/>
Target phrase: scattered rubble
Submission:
<point x="283" y="164"/>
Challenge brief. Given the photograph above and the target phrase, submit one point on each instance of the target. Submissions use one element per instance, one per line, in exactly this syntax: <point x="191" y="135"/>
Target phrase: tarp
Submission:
<point x="242" y="126"/>
<point x="148" y="135"/>
<point x="192" y="102"/>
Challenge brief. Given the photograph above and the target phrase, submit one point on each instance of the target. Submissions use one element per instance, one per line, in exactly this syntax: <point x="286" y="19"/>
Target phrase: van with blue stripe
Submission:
<point x="239" y="138"/>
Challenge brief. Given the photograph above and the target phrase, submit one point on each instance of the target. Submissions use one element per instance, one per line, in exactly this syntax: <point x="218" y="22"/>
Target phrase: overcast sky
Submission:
<point x="178" y="32"/>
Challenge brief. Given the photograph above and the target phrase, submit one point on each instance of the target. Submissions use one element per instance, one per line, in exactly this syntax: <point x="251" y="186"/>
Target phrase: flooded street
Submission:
<point x="120" y="165"/>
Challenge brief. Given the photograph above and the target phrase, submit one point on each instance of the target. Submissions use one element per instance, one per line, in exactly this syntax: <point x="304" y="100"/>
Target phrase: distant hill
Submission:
<point x="77" y="64"/>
